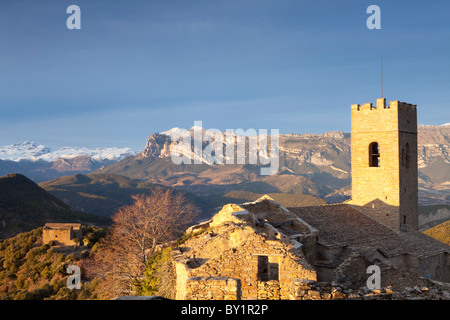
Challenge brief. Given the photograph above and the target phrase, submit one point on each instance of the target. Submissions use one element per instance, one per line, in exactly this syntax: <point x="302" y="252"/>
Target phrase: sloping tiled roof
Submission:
<point x="75" y="226"/>
<point x="342" y="225"/>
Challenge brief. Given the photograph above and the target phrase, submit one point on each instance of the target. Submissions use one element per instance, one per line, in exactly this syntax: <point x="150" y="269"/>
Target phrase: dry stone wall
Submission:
<point x="213" y="288"/>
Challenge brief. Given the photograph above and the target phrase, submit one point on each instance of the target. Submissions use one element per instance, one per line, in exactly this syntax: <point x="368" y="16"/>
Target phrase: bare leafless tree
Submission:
<point x="137" y="231"/>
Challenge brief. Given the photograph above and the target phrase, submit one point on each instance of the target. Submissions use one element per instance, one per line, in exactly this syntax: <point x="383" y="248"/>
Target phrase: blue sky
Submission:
<point x="138" y="67"/>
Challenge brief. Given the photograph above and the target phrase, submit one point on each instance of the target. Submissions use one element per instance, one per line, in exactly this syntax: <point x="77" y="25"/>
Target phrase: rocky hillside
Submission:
<point x="314" y="164"/>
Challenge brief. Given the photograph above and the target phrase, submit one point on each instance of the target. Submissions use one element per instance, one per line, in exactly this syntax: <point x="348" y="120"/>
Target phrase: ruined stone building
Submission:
<point x="239" y="254"/>
<point x="261" y="250"/>
<point x="63" y="234"/>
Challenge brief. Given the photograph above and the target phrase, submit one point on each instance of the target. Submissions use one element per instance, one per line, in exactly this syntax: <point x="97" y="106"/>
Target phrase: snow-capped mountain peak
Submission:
<point x="174" y="130"/>
<point x="30" y="150"/>
<point x="25" y="150"/>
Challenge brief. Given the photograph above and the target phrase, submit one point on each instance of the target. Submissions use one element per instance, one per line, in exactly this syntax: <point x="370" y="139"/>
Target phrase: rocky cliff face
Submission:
<point x="310" y="153"/>
<point x="78" y="163"/>
<point x="158" y="146"/>
<point x="331" y="148"/>
<point x="434" y="142"/>
<point x="323" y="159"/>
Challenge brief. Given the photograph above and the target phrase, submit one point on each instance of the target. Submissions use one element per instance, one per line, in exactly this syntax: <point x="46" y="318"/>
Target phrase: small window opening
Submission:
<point x="407" y="156"/>
<point x="267" y="270"/>
<point x="374" y="155"/>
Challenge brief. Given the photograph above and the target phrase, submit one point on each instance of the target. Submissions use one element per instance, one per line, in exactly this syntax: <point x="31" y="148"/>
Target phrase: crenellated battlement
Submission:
<point x="381" y="105"/>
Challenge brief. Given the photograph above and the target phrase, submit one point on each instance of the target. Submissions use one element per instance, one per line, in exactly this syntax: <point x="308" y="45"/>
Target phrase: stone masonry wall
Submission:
<point x="60" y="236"/>
<point x="234" y="252"/>
<point x="61" y="233"/>
<point x="269" y="290"/>
<point x="213" y="288"/>
<point x="379" y="190"/>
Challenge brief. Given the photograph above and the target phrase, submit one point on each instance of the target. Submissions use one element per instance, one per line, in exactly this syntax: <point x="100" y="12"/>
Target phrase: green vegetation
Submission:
<point x="92" y="235"/>
<point x="440" y="232"/>
<point x="134" y="244"/>
<point x="30" y="270"/>
<point x="25" y="206"/>
<point x="159" y="276"/>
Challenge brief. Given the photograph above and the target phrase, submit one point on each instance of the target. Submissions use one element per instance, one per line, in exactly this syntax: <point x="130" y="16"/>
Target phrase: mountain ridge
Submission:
<point x="102" y="194"/>
<point x="41" y="163"/>
<point x="315" y="164"/>
<point x="30" y="150"/>
<point x="25" y="206"/>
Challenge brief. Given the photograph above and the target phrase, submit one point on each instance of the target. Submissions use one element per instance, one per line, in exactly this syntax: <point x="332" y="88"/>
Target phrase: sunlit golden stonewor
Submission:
<point x="261" y="250"/>
<point x="384" y="163"/>
<point x="63" y="234"/>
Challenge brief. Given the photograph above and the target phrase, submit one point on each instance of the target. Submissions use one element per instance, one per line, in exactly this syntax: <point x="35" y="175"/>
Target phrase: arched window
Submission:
<point x="374" y="155"/>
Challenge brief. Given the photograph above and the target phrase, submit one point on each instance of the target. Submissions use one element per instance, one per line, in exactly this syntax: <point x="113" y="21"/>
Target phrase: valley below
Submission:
<point x="314" y="169"/>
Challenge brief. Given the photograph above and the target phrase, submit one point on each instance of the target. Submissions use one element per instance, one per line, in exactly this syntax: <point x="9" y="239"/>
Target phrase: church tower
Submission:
<point x="384" y="163"/>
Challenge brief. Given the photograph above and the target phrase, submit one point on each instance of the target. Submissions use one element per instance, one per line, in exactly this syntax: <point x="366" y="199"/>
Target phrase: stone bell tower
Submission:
<point x="384" y="163"/>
